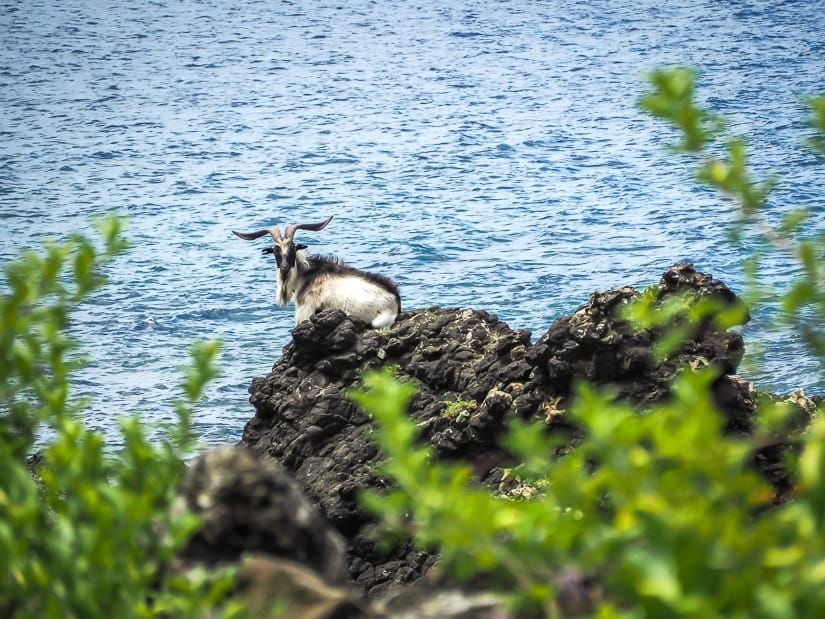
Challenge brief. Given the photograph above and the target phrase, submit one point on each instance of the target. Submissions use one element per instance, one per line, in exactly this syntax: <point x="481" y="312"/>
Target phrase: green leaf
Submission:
<point x="793" y="220"/>
<point x="817" y="121"/>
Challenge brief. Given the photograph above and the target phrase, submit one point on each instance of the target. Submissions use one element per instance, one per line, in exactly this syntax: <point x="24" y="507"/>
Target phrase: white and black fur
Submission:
<point x="323" y="282"/>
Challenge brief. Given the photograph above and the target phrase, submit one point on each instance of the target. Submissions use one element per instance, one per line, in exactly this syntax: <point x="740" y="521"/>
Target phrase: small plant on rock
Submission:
<point x="460" y="410"/>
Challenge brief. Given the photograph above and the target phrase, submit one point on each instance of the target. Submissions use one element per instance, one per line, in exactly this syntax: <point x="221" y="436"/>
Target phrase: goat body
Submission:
<point x="323" y="282"/>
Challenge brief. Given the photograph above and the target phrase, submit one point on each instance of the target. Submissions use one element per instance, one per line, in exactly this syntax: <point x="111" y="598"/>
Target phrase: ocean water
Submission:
<point x="483" y="154"/>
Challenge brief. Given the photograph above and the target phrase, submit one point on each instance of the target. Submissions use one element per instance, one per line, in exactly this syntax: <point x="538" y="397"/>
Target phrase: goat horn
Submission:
<point x="290" y="230"/>
<point x="251" y="236"/>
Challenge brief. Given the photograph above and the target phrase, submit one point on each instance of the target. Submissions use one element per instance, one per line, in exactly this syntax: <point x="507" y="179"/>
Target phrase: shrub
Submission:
<point x="87" y="533"/>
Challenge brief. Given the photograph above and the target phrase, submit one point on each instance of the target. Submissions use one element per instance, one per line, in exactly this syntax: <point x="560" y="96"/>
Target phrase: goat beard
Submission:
<point x="286" y="286"/>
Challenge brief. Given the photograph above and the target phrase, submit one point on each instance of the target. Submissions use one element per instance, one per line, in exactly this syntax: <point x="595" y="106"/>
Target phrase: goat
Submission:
<point x="323" y="282"/>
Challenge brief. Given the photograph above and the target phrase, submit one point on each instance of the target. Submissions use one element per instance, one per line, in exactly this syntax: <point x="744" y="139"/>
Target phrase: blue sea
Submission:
<point x="483" y="154"/>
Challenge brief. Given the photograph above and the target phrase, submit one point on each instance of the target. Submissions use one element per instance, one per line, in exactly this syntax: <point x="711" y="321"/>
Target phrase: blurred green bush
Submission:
<point x="85" y="532"/>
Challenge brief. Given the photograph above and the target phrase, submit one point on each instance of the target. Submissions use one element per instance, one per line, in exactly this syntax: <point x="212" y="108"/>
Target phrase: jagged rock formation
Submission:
<point x="472" y="372"/>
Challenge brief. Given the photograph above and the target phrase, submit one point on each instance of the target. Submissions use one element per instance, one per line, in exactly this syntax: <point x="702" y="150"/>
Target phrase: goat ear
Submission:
<point x="268" y="250"/>
<point x="300" y="246"/>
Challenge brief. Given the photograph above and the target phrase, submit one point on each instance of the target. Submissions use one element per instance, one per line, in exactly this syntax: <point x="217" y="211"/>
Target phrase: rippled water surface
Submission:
<point x="484" y="154"/>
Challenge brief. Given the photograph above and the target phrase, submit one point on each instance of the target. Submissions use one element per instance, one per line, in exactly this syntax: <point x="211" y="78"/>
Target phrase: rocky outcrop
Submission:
<point x="255" y="516"/>
<point x="250" y="504"/>
<point x="594" y="345"/>
<point x="472" y="373"/>
<point x="289" y="562"/>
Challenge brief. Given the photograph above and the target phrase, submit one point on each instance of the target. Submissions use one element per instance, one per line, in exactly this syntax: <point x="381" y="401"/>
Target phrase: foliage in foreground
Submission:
<point x="88" y="535"/>
<point x="722" y="163"/>
<point x="654" y="514"/>
<point x="658" y="509"/>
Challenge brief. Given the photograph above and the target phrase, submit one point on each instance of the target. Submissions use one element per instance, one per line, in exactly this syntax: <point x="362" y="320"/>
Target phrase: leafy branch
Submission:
<point x="672" y="99"/>
<point x="84" y="532"/>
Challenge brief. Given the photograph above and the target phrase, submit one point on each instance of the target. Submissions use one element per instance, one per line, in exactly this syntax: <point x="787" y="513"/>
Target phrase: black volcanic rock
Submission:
<point x="305" y="420"/>
<point x="468" y="361"/>
<point x="248" y="504"/>
<point x="595" y="345"/>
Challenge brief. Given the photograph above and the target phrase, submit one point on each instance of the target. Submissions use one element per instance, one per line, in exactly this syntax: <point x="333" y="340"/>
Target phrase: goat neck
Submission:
<point x="292" y="263"/>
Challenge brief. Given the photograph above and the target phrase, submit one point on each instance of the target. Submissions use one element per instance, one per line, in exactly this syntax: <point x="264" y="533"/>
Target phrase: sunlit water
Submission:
<point x="484" y="154"/>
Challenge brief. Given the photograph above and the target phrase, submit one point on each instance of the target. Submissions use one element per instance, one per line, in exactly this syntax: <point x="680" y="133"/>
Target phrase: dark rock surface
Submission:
<point x="255" y="516"/>
<point x="251" y="504"/>
<point x="289" y="561"/>
<point x="472" y="372"/>
<point x="592" y="344"/>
